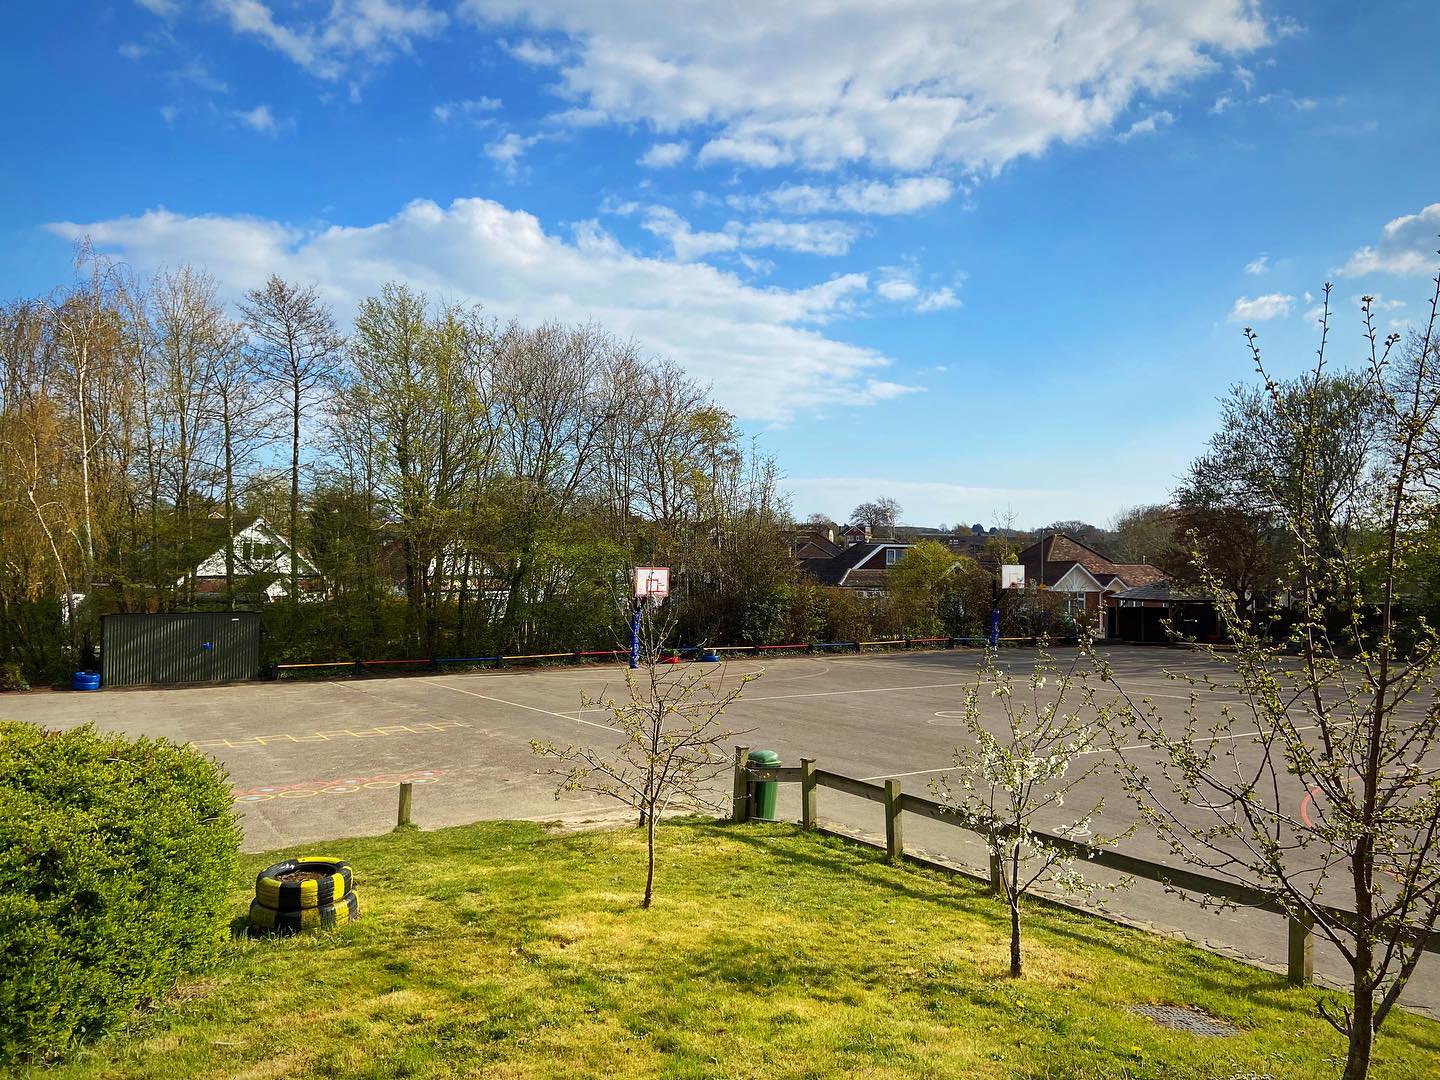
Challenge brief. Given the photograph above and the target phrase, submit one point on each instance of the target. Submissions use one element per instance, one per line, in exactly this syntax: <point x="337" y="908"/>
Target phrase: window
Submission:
<point x="892" y="556"/>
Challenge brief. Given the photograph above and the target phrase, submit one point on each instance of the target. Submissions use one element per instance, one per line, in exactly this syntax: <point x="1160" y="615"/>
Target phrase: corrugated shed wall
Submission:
<point x="179" y="648"/>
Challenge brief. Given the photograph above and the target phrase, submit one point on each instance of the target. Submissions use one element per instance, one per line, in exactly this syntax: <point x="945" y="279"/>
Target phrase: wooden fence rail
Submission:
<point x="1300" y="932"/>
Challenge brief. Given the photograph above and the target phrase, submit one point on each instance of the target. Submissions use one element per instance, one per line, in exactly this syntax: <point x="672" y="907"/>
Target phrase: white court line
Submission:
<point x="898" y="775"/>
<point x="1097" y="750"/>
<point x="531" y="708"/>
<point x="838" y="693"/>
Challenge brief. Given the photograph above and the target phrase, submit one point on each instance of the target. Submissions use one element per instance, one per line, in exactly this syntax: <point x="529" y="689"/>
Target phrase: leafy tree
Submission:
<point x="672" y="741"/>
<point x="1143" y="534"/>
<point x="1006" y="784"/>
<point x="1087" y="534"/>
<point x="1317" y="785"/>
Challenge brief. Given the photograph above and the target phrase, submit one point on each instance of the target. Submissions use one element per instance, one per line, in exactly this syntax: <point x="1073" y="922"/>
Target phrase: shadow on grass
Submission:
<point x="1194" y="965"/>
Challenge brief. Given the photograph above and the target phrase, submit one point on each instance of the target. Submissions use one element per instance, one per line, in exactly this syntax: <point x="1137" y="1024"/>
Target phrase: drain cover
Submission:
<point x="1184" y="1018"/>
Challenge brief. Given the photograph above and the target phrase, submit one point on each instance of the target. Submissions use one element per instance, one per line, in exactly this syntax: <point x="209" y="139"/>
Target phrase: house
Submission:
<point x="262" y="561"/>
<point x="860" y="564"/>
<point x="1087" y="578"/>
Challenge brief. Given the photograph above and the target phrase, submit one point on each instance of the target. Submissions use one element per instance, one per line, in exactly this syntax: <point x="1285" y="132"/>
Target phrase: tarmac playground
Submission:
<point x="319" y="760"/>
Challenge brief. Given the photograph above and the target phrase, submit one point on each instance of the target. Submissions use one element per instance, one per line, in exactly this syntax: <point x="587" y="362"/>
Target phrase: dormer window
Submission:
<point x="892" y="556"/>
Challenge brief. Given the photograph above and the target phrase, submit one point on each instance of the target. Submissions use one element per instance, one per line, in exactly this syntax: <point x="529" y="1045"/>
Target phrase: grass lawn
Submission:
<point x="506" y="950"/>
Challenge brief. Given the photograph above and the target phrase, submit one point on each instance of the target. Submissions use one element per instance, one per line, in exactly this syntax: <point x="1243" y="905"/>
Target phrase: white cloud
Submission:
<point x="898" y="289"/>
<point x="1147" y="126"/>
<point x="938" y="300"/>
<point x="761" y="347"/>
<point x="899" y="84"/>
<point x="687" y="244"/>
<point x="925" y="502"/>
<point x="1258" y="265"/>
<point x="533" y="53"/>
<point x="808" y="237"/>
<point x="898" y="286"/>
<point x="259" y="119"/>
<point x="1407" y="246"/>
<point x="475" y="107"/>
<point x="665" y="155"/>
<point x="163" y="8"/>
<point x="1260" y="308"/>
<point x="508" y="149"/>
<point x="905" y="196"/>
<point x="369" y="29"/>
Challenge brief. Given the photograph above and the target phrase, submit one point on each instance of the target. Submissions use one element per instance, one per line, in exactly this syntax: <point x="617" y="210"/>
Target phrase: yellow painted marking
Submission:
<point x="264" y="741"/>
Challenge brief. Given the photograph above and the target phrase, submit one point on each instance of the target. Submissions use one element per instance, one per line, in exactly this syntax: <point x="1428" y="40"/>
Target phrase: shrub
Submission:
<point x="116" y="860"/>
<point x="12" y="677"/>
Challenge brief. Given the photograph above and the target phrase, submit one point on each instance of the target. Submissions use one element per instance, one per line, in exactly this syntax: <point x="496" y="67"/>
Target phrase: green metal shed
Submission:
<point x="181" y="648"/>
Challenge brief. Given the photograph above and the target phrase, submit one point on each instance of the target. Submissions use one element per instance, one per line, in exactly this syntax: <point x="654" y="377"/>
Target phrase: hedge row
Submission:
<point x="117" y="856"/>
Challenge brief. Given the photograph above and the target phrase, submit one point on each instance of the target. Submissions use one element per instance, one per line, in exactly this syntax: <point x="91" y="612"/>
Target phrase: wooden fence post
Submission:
<point x="997" y="874"/>
<point x="406" y="790"/>
<point x="1301" y="950"/>
<point x="807" y="792"/>
<point x="740" y="804"/>
<point x="894" y="842"/>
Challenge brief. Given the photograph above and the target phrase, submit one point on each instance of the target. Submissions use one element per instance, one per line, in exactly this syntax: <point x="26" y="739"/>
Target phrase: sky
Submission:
<point x="991" y="260"/>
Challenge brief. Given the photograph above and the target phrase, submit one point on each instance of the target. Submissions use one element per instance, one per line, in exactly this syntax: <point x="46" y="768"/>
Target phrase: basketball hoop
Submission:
<point x="1012" y="576"/>
<point x="652" y="582"/>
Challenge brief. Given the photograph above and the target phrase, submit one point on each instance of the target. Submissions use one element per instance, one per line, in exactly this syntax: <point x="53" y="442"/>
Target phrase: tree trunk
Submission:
<point x="1015" y="970"/>
<point x="229" y="512"/>
<point x="1362" y="1025"/>
<point x="650" y="857"/>
<point x="294" y="537"/>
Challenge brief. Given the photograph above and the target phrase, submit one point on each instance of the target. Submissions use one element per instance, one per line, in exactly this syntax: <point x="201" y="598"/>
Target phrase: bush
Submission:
<point x="12" y="677"/>
<point x="117" y="856"/>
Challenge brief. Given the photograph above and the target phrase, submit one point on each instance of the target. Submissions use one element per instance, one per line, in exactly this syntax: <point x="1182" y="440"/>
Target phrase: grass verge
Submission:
<point x="507" y="950"/>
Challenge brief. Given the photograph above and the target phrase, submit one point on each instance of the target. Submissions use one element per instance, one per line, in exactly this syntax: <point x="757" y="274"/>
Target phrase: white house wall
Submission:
<point x="1078" y="580"/>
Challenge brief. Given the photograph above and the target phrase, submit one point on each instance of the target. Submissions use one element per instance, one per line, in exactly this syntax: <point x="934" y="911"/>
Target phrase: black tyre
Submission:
<point x="325" y="881"/>
<point x="267" y="920"/>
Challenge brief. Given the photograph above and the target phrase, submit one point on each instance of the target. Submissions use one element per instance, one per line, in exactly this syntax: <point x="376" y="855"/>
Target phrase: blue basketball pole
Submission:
<point x="635" y="633"/>
<point x="995" y="627"/>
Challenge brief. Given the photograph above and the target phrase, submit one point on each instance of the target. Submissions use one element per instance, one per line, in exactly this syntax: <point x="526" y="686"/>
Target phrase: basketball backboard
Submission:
<point x="1012" y="577"/>
<point x="652" y="582"/>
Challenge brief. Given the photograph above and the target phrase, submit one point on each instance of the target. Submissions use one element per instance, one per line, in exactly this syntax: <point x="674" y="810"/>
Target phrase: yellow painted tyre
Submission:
<point x="267" y="920"/>
<point x="331" y="880"/>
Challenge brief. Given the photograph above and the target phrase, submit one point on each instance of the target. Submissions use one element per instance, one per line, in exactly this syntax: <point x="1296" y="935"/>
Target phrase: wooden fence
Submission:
<point x="1301" y="935"/>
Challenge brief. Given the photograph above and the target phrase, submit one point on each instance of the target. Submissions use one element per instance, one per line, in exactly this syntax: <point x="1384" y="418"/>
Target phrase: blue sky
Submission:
<point x="982" y="258"/>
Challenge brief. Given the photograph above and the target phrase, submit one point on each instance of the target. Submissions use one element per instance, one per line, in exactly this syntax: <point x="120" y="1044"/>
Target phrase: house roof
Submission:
<point x="842" y="568"/>
<point x="810" y="544"/>
<point x="1160" y="592"/>
<point x="1062" y="552"/>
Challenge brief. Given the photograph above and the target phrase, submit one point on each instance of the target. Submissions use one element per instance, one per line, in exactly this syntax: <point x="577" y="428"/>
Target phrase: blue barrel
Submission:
<point x="85" y="680"/>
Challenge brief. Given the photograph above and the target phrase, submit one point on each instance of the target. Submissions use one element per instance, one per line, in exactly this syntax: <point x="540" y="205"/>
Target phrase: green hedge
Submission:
<point x="117" y="856"/>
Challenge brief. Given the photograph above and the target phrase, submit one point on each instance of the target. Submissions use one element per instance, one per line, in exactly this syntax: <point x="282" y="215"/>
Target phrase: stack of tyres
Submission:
<point x="301" y="894"/>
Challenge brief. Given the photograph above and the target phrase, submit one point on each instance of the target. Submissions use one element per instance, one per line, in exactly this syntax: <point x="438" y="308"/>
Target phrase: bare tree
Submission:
<point x="190" y="334"/>
<point x="880" y="514"/>
<point x="1316" y="781"/>
<point x="1010" y="784"/>
<point x="671" y="748"/>
<point x="244" y="409"/>
<point x="298" y="347"/>
<point x="83" y="329"/>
